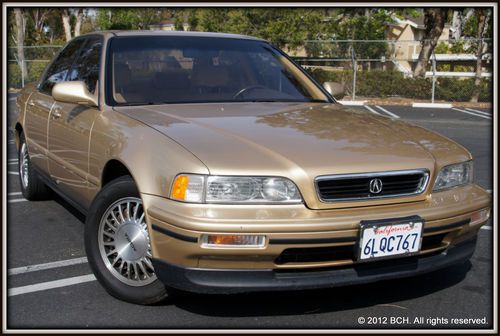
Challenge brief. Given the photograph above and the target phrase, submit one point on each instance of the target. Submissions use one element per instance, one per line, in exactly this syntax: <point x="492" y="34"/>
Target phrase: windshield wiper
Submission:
<point x="138" y="104"/>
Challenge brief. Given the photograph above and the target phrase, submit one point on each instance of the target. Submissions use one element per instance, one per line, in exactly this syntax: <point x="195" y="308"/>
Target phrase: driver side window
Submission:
<point x="59" y="69"/>
<point x="86" y="68"/>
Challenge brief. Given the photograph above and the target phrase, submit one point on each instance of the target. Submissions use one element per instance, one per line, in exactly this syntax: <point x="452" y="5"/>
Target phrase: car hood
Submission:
<point x="297" y="140"/>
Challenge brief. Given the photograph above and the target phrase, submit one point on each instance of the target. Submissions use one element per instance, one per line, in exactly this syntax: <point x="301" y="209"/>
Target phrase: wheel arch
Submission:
<point x="114" y="169"/>
<point x="18" y="130"/>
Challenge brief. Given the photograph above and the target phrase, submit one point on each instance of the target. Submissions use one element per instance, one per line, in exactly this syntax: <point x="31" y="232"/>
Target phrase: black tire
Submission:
<point x="154" y="292"/>
<point x="35" y="189"/>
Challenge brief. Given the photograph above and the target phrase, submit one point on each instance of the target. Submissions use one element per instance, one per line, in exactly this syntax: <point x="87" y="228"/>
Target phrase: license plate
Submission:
<point x="389" y="238"/>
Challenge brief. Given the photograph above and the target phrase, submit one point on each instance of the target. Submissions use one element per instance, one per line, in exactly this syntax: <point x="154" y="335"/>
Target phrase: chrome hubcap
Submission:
<point x="24" y="165"/>
<point x="124" y="242"/>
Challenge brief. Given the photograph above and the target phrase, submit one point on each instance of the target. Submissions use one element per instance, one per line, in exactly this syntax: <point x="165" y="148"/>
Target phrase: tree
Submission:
<point x="457" y="23"/>
<point x="434" y="21"/>
<point x="481" y="14"/>
<point x="282" y="27"/>
<point x="37" y="18"/>
<point x="130" y="18"/>
<point x="66" y="15"/>
<point x="20" y="26"/>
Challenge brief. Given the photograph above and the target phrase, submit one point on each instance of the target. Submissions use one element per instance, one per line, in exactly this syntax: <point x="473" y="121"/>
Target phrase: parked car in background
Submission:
<point x="212" y="163"/>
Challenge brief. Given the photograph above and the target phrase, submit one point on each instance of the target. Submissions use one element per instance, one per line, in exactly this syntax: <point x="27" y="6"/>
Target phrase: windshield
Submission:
<point x="179" y="69"/>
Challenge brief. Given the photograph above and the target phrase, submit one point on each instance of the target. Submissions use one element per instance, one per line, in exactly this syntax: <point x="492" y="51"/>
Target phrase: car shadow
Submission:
<point x="322" y="300"/>
<point x="66" y="205"/>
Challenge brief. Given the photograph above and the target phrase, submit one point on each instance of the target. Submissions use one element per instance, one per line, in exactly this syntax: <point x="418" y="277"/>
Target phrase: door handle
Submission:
<point x="57" y="114"/>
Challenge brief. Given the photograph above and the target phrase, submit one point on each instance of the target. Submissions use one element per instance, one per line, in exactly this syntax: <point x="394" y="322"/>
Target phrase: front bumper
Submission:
<point x="294" y="230"/>
<point x="226" y="281"/>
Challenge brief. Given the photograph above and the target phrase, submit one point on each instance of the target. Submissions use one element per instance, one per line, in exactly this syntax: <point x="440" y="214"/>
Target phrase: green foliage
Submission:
<point x="281" y="26"/>
<point x="453" y="89"/>
<point x="127" y="18"/>
<point x="387" y="83"/>
<point x="35" y="71"/>
<point x="352" y="24"/>
<point x="13" y="75"/>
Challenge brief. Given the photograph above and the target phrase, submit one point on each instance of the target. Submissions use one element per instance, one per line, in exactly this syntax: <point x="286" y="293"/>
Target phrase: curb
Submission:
<point x="432" y="105"/>
<point x="352" y="102"/>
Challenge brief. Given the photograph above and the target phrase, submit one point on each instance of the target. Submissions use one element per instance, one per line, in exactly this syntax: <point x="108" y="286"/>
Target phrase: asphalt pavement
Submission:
<point x="50" y="284"/>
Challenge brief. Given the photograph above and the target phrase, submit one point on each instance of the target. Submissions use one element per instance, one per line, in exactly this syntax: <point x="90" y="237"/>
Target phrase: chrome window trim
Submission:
<point x="423" y="186"/>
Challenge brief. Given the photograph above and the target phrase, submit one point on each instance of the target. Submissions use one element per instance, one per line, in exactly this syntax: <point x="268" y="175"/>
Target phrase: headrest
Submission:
<point x="122" y="74"/>
<point x="207" y="75"/>
<point x="173" y="79"/>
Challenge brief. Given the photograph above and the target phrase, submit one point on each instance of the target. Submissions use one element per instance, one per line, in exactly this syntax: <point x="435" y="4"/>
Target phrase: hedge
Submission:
<point x="35" y="70"/>
<point x="389" y="83"/>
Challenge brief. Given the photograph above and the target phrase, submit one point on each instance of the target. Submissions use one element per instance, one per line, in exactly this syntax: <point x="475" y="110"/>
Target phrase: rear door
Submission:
<point x="70" y="127"/>
<point x="41" y="102"/>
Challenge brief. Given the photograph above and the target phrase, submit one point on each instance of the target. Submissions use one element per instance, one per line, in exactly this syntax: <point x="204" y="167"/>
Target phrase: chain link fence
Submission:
<point x="366" y="68"/>
<point x="384" y="69"/>
<point x="35" y="60"/>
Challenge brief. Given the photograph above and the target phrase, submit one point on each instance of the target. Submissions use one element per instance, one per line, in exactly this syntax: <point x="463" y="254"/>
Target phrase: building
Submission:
<point x="405" y="36"/>
<point x="168" y="25"/>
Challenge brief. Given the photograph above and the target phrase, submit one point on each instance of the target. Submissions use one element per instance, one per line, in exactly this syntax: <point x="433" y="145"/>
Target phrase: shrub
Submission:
<point x="14" y="75"/>
<point x="386" y="83"/>
<point x="35" y="70"/>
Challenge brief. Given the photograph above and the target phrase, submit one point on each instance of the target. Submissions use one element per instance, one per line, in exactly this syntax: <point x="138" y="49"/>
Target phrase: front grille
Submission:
<point x="316" y="254"/>
<point x="357" y="186"/>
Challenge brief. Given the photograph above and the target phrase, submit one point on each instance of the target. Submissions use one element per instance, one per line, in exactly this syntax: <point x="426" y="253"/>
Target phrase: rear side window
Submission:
<point x="60" y="67"/>
<point x="86" y="67"/>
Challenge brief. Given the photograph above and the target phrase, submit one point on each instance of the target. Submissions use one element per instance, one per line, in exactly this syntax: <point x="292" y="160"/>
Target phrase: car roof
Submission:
<point x="174" y="33"/>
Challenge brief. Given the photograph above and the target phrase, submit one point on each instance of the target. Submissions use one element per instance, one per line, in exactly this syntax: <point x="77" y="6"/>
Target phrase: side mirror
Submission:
<point x="75" y="92"/>
<point x="335" y="89"/>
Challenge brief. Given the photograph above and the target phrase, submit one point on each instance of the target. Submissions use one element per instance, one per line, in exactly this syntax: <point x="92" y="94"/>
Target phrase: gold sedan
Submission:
<point x="212" y="163"/>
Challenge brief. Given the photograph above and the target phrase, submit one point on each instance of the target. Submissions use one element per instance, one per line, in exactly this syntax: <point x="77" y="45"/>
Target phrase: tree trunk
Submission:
<point x="457" y="24"/>
<point x="20" y="43"/>
<point x="78" y="24"/>
<point x="479" y="54"/>
<point x="66" y="24"/>
<point x="434" y="24"/>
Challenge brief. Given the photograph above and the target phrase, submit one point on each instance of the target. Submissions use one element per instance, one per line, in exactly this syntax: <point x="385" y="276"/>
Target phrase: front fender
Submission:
<point x="152" y="158"/>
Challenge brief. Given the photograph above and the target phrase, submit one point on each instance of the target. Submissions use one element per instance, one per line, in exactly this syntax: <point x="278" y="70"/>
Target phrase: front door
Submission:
<point x="70" y="127"/>
<point x="41" y="102"/>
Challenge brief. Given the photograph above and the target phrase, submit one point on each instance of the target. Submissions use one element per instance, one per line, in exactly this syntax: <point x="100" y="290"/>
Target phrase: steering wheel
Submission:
<point x="248" y="88"/>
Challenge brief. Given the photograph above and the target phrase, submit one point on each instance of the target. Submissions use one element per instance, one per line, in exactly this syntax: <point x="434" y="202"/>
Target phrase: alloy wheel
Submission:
<point x="124" y="242"/>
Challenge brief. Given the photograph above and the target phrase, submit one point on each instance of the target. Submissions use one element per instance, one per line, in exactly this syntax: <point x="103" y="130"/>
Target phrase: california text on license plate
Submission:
<point x="386" y="238"/>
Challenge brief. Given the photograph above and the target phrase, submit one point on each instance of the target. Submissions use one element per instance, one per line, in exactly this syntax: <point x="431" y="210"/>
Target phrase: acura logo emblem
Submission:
<point x="375" y="186"/>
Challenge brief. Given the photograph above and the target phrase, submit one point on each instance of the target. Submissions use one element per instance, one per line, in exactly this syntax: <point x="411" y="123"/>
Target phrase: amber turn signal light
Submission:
<point x="232" y="241"/>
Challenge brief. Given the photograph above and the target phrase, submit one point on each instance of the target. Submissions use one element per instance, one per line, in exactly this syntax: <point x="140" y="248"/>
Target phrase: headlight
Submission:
<point x="234" y="189"/>
<point x="454" y="175"/>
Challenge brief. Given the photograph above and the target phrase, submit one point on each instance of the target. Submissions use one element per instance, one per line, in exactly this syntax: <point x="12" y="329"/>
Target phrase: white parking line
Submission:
<point x="12" y="173"/>
<point x="17" y="200"/>
<point x="389" y="113"/>
<point x="13" y="98"/>
<point x="11" y="163"/>
<point x="489" y="228"/>
<point x="46" y="266"/>
<point x="471" y="113"/>
<point x="482" y="112"/>
<point x="14" y="193"/>
<point x="50" y="285"/>
<point x="370" y="109"/>
<point x="13" y="160"/>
